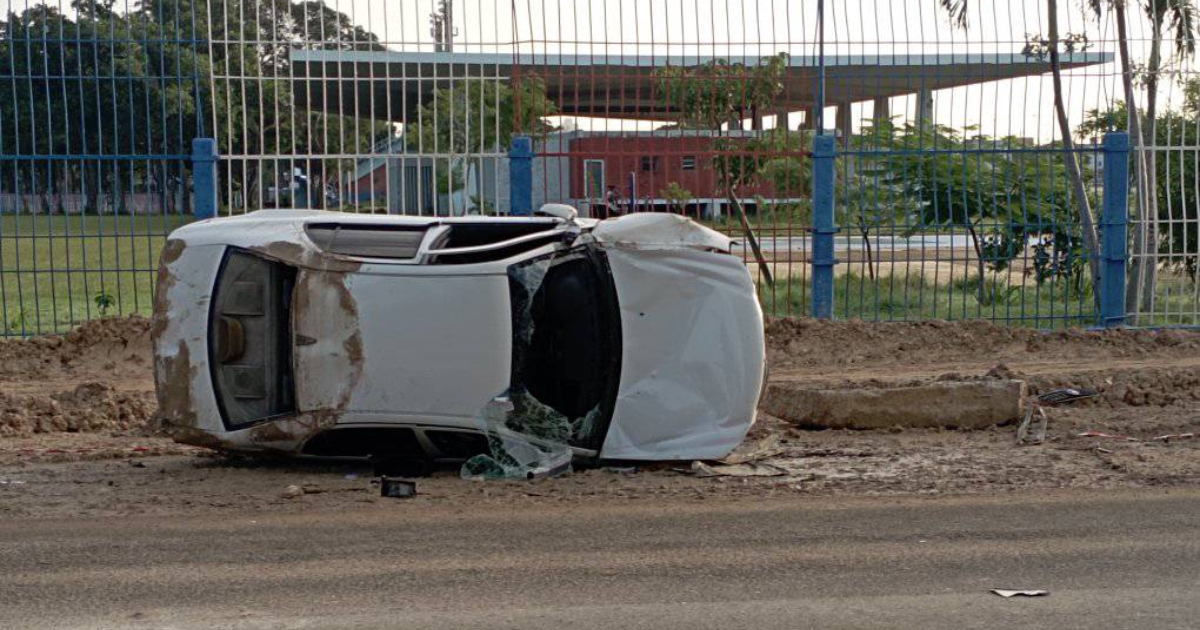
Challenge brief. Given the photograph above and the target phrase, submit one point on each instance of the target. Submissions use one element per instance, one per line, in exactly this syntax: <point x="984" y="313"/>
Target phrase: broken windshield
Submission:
<point x="566" y="359"/>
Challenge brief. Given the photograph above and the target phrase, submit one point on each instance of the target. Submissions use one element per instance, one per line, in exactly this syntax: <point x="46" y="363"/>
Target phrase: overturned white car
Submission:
<point x="330" y="334"/>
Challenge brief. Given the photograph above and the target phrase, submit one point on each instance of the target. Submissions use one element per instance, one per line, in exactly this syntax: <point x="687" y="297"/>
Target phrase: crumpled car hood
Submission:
<point x="693" y="354"/>
<point x="650" y="230"/>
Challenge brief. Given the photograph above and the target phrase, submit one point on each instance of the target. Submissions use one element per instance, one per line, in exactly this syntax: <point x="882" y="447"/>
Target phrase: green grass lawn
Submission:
<point x="58" y="271"/>
<point x="914" y="298"/>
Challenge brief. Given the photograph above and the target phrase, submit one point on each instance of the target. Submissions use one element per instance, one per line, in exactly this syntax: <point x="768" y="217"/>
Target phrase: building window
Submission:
<point x="689" y="163"/>
<point x="650" y="163"/>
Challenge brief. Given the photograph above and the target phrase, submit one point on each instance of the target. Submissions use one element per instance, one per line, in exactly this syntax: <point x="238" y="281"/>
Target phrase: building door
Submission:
<point x="593" y="184"/>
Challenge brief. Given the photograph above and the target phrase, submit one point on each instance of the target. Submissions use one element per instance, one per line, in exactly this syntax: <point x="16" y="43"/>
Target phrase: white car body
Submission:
<point x="325" y="323"/>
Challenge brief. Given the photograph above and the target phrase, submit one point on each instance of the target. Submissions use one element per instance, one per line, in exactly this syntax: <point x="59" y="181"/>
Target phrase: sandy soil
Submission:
<point x="77" y="434"/>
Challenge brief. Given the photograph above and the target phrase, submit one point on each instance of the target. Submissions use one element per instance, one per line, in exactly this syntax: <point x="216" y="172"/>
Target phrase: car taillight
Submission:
<point x="249" y="339"/>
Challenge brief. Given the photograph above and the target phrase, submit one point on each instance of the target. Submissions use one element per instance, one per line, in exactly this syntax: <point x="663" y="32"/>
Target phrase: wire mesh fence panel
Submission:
<point x="968" y="180"/>
<point x="692" y="108"/>
<point x="971" y="184"/>
<point x="362" y="105"/>
<point x="97" y="110"/>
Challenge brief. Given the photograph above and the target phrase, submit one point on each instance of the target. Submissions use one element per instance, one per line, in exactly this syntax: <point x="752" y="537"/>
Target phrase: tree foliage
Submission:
<point x="709" y="95"/>
<point x="1176" y="174"/>
<point x="141" y="83"/>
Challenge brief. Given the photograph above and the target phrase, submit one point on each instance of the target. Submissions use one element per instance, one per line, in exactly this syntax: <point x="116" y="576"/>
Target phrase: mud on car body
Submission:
<point x="329" y="334"/>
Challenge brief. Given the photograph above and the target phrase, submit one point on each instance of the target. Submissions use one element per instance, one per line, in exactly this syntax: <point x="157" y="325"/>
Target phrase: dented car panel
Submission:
<point x="408" y="322"/>
<point x="692" y="365"/>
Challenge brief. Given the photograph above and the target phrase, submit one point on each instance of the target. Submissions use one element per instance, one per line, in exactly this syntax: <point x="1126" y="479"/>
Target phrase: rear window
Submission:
<point x="367" y="241"/>
<point x="249" y="339"/>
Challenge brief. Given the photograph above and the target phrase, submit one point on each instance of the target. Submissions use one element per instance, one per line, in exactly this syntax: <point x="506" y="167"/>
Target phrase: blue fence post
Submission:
<point x="520" y="176"/>
<point x="204" y="178"/>
<point x="1114" y="230"/>
<point x="823" y="226"/>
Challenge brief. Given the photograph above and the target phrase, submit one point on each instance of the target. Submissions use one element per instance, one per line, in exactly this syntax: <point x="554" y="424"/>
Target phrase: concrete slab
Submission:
<point x="972" y="404"/>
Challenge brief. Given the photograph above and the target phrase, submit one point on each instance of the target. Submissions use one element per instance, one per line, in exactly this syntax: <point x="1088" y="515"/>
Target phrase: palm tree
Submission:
<point x="1179" y="15"/>
<point x="958" y="12"/>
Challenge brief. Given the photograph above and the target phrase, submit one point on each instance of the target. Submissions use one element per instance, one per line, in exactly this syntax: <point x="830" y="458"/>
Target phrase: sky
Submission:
<point x="717" y="28"/>
<point x="720" y="28"/>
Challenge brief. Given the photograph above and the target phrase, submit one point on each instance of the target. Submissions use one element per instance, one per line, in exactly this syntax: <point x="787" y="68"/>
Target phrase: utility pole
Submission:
<point x="441" y="26"/>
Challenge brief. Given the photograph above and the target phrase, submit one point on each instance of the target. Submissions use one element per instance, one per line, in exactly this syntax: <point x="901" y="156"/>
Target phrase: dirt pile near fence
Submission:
<point x="77" y="435"/>
<point x="114" y="348"/>
<point x="90" y="406"/>
<point x="1148" y="382"/>
<point x="97" y="377"/>
<point x="798" y="343"/>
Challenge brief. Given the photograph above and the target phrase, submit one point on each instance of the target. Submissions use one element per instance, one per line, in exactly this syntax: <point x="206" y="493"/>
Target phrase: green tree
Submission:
<point x="476" y="116"/>
<point x="709" y="95"/>
<point x="677" y="197"/>
<point x="1175" y="176"/>
<point x="719" y="92"/>
<point x="1002" y="201"/>
<point x="1051" y="47"/>
<point x="148" y="106"/>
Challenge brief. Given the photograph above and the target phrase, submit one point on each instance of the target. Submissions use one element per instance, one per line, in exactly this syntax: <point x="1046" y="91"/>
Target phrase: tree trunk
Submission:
<point x="750" y="238"/>
<point x="1087" y="223"/>
<point x="979" y="263"/>
<point x="866" y="238"/>
<point x="1150" y="276"/>
<point x="1139" y="265"/>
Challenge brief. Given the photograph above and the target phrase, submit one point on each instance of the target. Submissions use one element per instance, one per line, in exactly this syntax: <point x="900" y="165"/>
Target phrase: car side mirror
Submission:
<point x="559" y="211"/>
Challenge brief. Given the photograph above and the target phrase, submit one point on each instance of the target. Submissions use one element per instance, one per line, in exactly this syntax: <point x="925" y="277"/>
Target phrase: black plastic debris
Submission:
<point x="1032" y="429"/>
<point x="1060" y="397"/>
<point x="397" y="488"/>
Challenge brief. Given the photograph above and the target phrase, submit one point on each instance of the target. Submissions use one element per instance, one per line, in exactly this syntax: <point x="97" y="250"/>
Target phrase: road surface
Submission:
<point x="1110" y="560"/>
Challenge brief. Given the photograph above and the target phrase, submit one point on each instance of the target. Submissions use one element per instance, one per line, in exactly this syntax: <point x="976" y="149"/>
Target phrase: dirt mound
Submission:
<point x="809" y="342"/>
<point x="90" y="406"/>
<point x="104" y="350"/>
<point x="97" y="377"/>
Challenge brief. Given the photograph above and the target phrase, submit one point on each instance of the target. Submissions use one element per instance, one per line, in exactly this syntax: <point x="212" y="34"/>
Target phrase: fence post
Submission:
<point x="1114" y="239"/>
<point x="823" y="226"/>
<point x="204" y="178"/>
<point x="520" y="176"/>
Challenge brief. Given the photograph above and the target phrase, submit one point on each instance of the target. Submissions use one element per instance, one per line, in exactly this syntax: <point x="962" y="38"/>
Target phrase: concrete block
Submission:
<point x="951" y="404"/>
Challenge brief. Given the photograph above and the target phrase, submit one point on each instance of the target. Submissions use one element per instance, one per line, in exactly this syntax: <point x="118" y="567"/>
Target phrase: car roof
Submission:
<point x="284" y="214"/>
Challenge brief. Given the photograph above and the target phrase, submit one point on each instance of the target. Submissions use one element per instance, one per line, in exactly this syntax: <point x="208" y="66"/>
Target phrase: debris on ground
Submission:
<point x="754" y="451"/>
<point x="752" y="469"/>
<point x="397" y="488"/>
<point x="1106" y="436"/>
<point x="1006" y="593"/>
<point x="293" y="492"/>
<point x="1133" y="434"/>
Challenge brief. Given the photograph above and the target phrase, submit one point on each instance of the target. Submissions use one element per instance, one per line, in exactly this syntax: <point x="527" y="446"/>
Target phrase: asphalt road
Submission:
<point x="1110" y="560"/>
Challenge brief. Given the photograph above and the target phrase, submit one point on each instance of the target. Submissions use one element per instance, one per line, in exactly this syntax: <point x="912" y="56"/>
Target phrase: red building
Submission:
<point x="641" y="167"/>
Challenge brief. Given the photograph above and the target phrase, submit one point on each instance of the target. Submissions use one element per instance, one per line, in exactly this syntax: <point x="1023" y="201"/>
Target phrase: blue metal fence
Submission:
<point x="878" y="160"/>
